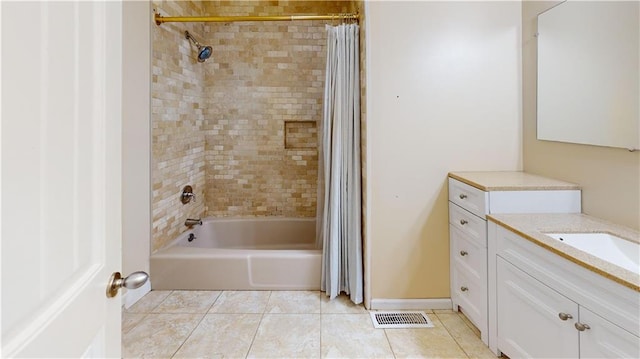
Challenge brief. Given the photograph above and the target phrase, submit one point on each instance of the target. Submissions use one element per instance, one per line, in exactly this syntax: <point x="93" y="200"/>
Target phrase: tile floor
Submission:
<point x="282" y="324"/>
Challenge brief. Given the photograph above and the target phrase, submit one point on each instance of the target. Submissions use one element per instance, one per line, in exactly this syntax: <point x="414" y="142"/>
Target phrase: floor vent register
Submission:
<point x="400" y="320"/>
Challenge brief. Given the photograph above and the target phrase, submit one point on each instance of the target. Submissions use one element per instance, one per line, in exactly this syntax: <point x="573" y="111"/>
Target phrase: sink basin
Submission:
<point x="605" y="246"/>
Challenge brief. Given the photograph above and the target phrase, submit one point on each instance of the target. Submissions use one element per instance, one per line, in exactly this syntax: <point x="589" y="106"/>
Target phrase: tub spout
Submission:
<point x="190" y="222"/>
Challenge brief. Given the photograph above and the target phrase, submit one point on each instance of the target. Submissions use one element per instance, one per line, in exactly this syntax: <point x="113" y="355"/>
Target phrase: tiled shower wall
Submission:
<point x="265" y="86"/>
<point x="242" y="128"/>
<point x="178" y="146"/>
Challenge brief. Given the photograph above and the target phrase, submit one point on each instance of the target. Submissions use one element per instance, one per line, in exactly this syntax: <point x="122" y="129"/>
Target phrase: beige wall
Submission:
<point x="610" y="177"/>
<point x="443" y="94"/>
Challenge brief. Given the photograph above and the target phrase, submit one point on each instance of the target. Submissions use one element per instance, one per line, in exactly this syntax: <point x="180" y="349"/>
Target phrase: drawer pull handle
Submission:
<point x="462" y="196"/>
<point x="463" y="253"/>
<point x="582" y="327"/>
<point x="564" y="316"/>
<point x="463" y="222"/>
<point x="464" y="289"/>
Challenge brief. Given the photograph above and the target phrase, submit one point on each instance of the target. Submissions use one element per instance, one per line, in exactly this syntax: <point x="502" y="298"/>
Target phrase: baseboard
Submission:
<point x="410" y="304"/>
<point x="133" y="295"/>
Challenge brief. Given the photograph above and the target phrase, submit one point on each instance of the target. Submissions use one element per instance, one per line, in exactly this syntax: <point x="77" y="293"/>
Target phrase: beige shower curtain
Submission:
<point x="339" y="189"/>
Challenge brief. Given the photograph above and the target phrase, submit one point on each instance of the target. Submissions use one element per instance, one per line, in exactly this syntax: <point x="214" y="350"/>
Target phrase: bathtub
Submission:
<point x="241" y="254"/>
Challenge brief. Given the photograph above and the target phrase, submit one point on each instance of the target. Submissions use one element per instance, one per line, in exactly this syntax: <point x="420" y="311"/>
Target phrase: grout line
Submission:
<point x="144" y="316"/>
<point x="214" y="301"/>
<point x="189" y="335"/>
<point x="468" y="323"/>
<point x="320" y="316"/>
<point x="258" y="326"/>
<point x="268" y="300"/>
<point x="204" y="315"/>
<point x="162" y="301"/>
<point x="389" y="342"/>
<point x="151" y="310"/>
<point x="451" y="335"/>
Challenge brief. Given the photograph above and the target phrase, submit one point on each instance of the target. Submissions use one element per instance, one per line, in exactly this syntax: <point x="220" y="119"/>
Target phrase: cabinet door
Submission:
<point x="471" y="295"/>
<point x="604" y="339"/>
<point x="529" y="323"/>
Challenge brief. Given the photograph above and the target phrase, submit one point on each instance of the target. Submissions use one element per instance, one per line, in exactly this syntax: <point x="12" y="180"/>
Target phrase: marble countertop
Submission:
<point x="533" y="227"/>
<point x="511" y="181"/>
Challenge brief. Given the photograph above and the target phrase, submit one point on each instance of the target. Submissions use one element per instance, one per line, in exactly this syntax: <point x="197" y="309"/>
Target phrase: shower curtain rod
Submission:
<point x="162" y="19"/>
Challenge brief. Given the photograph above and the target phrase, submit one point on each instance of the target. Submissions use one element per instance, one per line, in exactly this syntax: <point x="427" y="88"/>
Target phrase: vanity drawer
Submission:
<point x="473" y="227"/>
<point x="469" y="294"/>
<point x="467" y="255"/>
<point x="470" y="198"/>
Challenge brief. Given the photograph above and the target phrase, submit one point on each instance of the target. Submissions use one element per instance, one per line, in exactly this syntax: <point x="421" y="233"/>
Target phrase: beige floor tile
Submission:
<point x="221" y="336"/>
<point x="287" y="336"/>
<point x="334" y="333"/>
<point x="464" y="336"/>
<point x="149" y="302"/>
<point x="300" y="302"/>
<point x="159" y="335"/>
<point x="130" y="320"/>
<point x="185" y="301"/>
<point x="340" y="304"/>
<point x="352" y="336"/>
<point x="424" y="343"/>
<point x="241" y="302"/>
<point x="473" y="328"/>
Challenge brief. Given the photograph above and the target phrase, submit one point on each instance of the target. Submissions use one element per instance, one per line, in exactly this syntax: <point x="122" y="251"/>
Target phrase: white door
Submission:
<point x="61" y="178"/>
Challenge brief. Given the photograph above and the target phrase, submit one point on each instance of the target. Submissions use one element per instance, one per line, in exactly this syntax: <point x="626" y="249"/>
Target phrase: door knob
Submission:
<point x="132" y="281"/>
<point x="463" y="253"/>
<point x="464" y="289"/>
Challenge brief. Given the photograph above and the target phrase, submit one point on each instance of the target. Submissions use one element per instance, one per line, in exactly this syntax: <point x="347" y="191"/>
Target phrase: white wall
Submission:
<point x="136" y="134"/>
<point x="443" y="94"/>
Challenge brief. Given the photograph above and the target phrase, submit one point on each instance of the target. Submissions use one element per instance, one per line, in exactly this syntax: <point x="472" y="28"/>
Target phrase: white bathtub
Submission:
<point x="241" y="254"/>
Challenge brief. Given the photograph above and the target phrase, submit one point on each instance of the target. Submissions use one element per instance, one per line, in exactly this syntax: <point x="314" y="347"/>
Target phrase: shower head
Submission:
<point x="204" y="52"/>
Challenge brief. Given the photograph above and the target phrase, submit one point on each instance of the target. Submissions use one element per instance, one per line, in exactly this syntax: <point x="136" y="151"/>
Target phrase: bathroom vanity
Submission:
<point x="549" y="296"/>
<point x="474" y="195"/>
<point x="537" y="277"/>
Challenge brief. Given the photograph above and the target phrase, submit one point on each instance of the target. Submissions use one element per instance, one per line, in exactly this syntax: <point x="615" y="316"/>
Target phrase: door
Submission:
<point x="61" y="178"/>
<point x="534" y="321"/>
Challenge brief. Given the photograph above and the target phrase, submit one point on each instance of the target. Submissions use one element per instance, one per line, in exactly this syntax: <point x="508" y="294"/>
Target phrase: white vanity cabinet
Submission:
<point x="468" y="247"/>
<point x="473" y="195"/>
<point x="547" y="306"/>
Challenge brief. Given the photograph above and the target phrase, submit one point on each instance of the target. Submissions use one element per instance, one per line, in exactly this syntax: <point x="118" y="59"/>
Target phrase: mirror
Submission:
<point x="588" y="73"/>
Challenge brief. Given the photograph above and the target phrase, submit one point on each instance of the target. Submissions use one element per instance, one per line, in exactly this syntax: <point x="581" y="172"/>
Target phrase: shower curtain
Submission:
<point x="339" y="195"/>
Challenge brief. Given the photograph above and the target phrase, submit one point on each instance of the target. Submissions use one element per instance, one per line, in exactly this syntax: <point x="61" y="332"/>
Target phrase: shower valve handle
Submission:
<point x="187" y="195"/>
